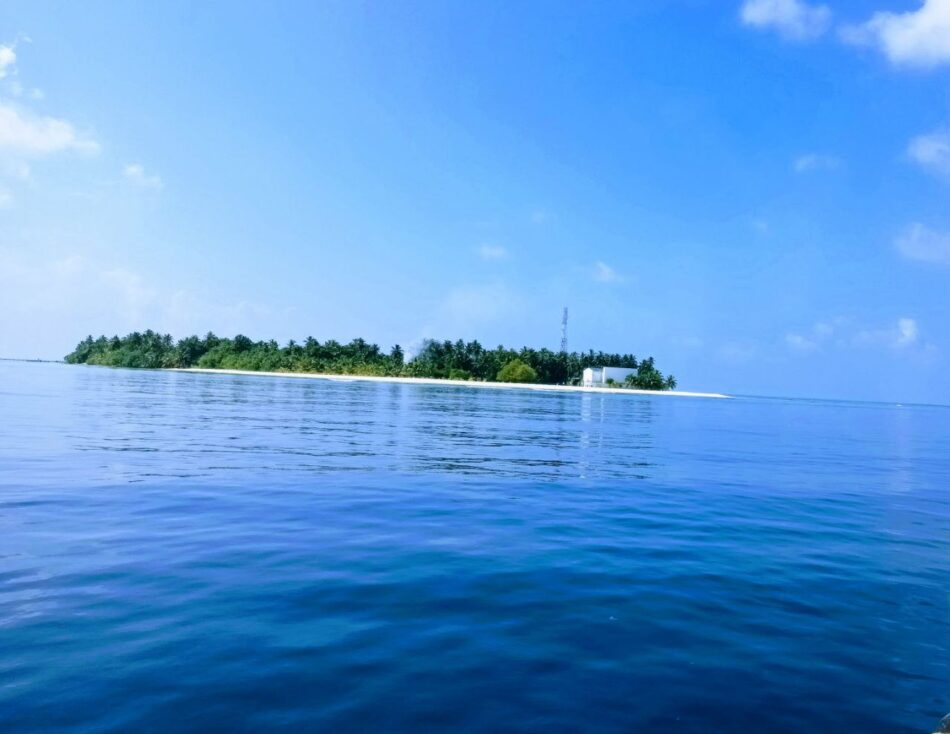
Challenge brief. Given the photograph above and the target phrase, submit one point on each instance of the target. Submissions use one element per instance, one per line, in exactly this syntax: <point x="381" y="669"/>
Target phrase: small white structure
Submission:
<point x="598" y="376"/>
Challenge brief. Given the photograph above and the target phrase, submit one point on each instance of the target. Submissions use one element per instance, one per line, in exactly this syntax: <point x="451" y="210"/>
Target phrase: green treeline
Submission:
<point x="442" y="359"/>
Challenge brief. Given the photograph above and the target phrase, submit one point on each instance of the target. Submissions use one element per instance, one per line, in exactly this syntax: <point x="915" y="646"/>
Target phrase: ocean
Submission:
<point x="196" y="553"/>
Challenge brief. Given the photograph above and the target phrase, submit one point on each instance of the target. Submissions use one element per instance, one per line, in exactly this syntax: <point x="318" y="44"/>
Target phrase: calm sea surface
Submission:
<point x="196" y="553"/>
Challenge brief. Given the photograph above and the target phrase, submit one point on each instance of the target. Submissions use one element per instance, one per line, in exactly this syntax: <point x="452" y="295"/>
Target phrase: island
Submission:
<point x="446" y="360"/>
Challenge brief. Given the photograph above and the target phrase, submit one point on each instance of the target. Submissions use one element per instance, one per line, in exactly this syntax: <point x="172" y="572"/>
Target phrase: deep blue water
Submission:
<point x="194" y="553"/>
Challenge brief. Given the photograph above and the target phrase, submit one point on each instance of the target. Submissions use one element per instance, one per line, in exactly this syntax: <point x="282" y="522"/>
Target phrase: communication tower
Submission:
<point x="564" y="331"/>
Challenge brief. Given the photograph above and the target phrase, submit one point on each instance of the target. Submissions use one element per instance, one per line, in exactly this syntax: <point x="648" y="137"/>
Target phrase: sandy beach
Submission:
<point x="457" y="383"/>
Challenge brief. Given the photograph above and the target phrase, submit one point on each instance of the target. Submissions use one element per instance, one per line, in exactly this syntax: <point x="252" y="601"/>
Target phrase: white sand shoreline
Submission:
<point x="454" y="383"/>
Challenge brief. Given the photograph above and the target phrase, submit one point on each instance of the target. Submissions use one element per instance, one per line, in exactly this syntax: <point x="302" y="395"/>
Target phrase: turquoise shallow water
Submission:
<point x="193" y="553"/>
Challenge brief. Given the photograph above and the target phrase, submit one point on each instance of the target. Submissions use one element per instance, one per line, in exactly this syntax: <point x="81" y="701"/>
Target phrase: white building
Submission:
<point x="598" y="376"/>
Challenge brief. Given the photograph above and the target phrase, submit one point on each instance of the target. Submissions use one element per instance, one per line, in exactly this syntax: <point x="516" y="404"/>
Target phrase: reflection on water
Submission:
<point x="193" y="553"/>
<point x="216" y="425"/>
<point x="126" y="426"/>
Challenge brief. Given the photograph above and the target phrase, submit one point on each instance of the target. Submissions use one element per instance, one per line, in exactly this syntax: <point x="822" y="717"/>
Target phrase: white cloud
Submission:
<point x="843" y="333"/>
<point x="932" y="151"/>
<point x="135" y="173"/>
<point x="16" y="169"/>
<point x="71" y="288"/>
<point x="799" y="343"/>
<point x="606" y="274"/>
<point x="918" y="242"/>
<point x="7" y="60"/>
<point x="45" y="299"/>
<point x="18" y="90"/>
<point x="133" y="293"/>
<point x="902" y="335"/>
<point x="907" y="333"/>
<point x="794" y="20"/>
<point x="6" y="199"/>
<point x="819" y="335"/>
<point x="914" y="38"/>
<point x="492" y="252"/>
<point x="25" y="133"/>
<point x="815" y="162"/>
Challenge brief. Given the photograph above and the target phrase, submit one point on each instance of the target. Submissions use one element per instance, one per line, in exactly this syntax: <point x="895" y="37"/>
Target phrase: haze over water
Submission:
<point x="192" y="553"/>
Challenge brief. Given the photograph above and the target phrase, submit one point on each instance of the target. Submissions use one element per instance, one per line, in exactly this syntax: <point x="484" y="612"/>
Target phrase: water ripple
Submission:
<point x="192" y="553"/>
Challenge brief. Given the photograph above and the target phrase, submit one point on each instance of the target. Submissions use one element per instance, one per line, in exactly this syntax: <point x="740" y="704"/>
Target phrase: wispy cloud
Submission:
<point x="932" y="151"/>
<point x="135" y="173"/>
<point x="603" y="273"/>
<point x="58" y="285"/>
<point x="18" y="170"/>
<point x="800" y="343"/>
<point x="24" y="133"/>
<point x="918" y="242"/>
<point x="914" y="38"/>
<point x="492" y="252"/>
<point x="18" y="90"/>
<point x="821" y="333"/>
<point x="815" y="162"/>
<point x="54" y="293"/>
<point x="7" y="59"/>
<point x="902" y="335"/>
<point x="907" y="333"/>
<point x="845" y="333"/>
<point x="794" y="20"/>
<point x="8" y="70"/>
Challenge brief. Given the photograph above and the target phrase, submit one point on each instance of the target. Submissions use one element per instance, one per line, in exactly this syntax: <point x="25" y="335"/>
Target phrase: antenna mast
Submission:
<point x="564" y="332"/>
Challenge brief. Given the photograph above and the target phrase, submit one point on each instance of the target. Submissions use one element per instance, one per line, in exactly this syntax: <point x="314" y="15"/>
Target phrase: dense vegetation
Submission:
<point x="454" y="360"/>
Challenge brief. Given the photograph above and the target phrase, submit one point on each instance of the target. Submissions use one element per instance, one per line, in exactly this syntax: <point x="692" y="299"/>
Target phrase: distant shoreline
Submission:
<point x="453" y="383"/>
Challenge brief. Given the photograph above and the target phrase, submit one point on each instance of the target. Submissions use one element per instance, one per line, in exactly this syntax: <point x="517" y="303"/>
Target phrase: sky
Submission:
<point x="755" y="192"/>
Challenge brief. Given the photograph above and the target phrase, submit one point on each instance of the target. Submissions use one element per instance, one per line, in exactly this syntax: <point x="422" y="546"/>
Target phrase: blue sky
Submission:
<point x="756" y="193"/>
